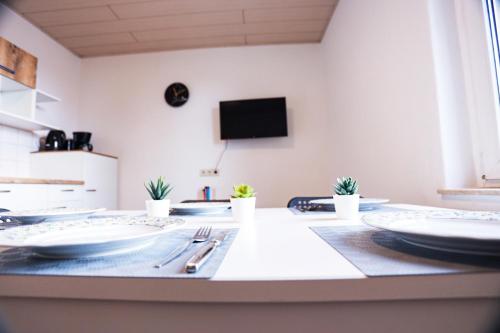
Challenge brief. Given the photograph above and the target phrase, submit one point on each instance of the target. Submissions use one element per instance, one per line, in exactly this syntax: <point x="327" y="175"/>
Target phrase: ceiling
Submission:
<point x="107" y="27"/>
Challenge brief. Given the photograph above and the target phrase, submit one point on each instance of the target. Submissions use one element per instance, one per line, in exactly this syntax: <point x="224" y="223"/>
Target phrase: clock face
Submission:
<point x="177" y="94"/>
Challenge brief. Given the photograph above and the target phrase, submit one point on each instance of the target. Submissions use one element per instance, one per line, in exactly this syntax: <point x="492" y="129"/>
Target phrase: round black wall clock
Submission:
<point x="177" y="94"/>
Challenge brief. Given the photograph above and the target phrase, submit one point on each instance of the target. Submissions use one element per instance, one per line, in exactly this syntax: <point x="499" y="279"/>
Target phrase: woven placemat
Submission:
<point x="140" y="263"/>
<point x="382" y="253"/>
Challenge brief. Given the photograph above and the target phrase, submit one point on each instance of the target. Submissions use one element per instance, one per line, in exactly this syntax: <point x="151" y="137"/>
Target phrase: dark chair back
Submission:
<point x="192" y="201"/>
<point x="303" y="203"/>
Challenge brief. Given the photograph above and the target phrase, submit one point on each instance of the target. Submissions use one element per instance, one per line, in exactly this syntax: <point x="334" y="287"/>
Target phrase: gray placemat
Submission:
<point x="380" y="209"/>
<point x="381" y="253"/>
<point x="134" y="264"/>
<point x="217" y="214"/>
<point x="106" y="216"/>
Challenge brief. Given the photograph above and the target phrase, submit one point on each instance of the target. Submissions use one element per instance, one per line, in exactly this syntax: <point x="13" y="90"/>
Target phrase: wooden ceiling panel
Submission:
<point x="190" y="32"/>
<point x="95" y="40"/>
<point x="32" y="6"/>
<point x="71" y="16"/>
<point x="106" y="27"/>
<point x="302" y="37"/>
<point x="161" y="45"/>
<point x="285" y="27"/>
<point x="285" y="3"/>
<point x="173" y="7"/>
<point x="160" y="22"/>
<point x="288" y="14"/>
<point x="272" y="28"/>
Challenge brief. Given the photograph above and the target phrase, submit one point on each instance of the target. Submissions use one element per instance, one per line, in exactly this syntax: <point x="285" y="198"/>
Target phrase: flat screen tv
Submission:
<point x="253" y="118"/>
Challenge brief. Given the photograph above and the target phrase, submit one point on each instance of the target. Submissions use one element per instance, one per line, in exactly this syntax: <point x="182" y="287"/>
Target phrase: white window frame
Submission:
<point x="482" y="86"/>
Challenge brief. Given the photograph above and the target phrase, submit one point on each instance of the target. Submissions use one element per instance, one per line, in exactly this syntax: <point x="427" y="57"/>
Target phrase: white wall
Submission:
<point x="382" y="99"/>
<point x="122" y="103"/>
<point x="58" y="69"/>
<point x="397" y="101"/>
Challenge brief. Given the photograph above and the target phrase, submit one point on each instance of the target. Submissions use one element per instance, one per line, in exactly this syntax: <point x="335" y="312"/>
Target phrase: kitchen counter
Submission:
<point x="274" y="264"/>
<point x="23" y="180"/>
<point x="72" y="151"/>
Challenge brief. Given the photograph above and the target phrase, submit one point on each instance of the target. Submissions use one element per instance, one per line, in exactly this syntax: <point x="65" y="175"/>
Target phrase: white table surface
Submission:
<point x="274" y="258"/>
<point x="277" y="277"/>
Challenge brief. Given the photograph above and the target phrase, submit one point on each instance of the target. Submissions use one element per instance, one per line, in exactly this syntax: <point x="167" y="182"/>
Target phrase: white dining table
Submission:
<point x="278" y="276"/>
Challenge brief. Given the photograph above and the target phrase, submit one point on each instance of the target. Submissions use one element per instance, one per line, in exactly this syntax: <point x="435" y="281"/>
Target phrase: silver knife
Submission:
<point x="203" y="254"/>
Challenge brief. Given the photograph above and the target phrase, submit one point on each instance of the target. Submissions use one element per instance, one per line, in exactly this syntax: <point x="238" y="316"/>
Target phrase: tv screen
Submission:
<point x="253" y="118"/>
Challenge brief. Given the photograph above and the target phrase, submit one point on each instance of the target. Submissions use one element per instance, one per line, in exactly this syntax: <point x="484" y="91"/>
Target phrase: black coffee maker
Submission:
<point x="81" y="141"/>
<point x="56" y="140"/>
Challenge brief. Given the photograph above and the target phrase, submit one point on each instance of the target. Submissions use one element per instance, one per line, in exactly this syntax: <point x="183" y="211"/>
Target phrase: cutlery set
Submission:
<point x="202" y="255"/>
<point x="65" y="237"/>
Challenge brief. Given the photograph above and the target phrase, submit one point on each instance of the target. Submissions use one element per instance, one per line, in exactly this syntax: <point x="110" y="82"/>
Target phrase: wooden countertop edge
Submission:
<point x="73" y="151"/>
<point x="470" y="191"/>
<point x="19" y="180"/>
<point x="452" y="286"/>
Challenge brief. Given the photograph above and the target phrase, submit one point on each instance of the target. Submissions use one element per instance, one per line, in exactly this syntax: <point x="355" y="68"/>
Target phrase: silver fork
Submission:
<point x="201" y="235"/>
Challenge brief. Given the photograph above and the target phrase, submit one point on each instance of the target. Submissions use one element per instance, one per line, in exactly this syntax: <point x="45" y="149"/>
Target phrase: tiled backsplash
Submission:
<point x="15" y="148"/>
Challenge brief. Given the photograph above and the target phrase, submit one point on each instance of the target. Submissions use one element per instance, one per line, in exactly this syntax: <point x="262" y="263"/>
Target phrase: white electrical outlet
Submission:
<point x="209" y="172"/>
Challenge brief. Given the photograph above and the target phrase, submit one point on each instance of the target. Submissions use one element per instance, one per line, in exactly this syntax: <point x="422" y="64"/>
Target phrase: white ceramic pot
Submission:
<point x="158" y="208"/>
<point x="346" y="206"/>
<point x="243" y="209"/>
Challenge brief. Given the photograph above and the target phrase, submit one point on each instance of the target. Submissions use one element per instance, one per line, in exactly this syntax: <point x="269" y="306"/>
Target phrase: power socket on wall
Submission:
<point x="209" y="172"/>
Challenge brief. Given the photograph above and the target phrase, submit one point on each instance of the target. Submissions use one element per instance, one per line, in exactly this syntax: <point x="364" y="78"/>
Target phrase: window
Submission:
<point x="493" y="25"/>
<point x="479" y="33"/>
<point x="490" y="150"/>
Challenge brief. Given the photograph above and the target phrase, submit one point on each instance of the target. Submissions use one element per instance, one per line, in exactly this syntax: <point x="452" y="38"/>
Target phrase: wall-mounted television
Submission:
<point x="253" y="118"/>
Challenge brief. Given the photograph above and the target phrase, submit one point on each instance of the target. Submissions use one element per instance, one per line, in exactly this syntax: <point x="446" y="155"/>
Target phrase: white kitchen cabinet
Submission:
<point x="64" y="196"/>
<point x="99" y="173"/>
<point x="9" y="197"/>
<point x="40" y="196"/>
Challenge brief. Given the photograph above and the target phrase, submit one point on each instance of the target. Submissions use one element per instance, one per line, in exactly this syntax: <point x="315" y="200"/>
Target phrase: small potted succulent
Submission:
<point x="243" y="202"/>
<point x="159" y="205"/>
<point x="346" y="198"/>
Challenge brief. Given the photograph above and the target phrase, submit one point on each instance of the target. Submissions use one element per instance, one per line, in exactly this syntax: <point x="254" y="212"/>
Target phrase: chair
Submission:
<point x="303" y="203"/>
<point x="192" y="201"/>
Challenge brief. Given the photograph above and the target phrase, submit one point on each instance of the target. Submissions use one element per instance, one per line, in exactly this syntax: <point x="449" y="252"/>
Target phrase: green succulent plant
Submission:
<point x="243" y="191"/>
<point x="158" y="190"/>
<point x="346" y="186"/>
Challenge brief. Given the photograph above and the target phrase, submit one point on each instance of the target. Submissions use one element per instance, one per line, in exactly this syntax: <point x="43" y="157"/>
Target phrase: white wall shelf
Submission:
<point x="43" y="97"/>
<point x="18" y="105"/>
<point x="12" y="120"/>
<point x="9" y="85"/>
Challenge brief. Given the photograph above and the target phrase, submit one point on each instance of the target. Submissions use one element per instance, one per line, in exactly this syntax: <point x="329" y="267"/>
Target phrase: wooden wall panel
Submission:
<point x="17" y="64"/>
